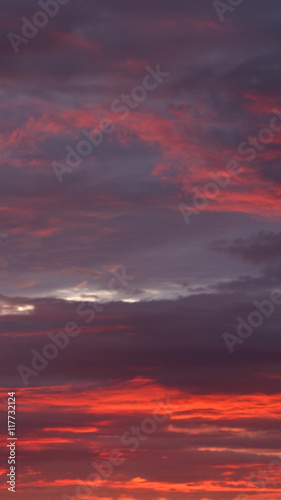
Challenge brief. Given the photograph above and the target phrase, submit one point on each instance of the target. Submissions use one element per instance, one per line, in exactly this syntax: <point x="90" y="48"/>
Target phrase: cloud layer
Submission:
<point x="110" y="238"/>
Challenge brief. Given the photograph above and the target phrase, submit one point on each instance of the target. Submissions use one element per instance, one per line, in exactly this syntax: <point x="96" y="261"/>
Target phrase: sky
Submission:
<point x="140" y="245"/>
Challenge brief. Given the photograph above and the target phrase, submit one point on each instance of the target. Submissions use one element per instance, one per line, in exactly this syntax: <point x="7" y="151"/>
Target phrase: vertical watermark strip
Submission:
<point x="11" y="475"/>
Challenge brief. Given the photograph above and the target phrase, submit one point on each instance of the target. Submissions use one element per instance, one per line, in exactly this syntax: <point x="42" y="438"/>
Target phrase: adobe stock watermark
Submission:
<point x="131" y="439"/>
<point x="262" y="477"/>
<point x="40" y="19"/>
<point x="221" y="179"/>
<point x="60" y="340"/>
<point x="245" y="329"/>
<point x="123" y="106"/>
<point x="228" y="6"/>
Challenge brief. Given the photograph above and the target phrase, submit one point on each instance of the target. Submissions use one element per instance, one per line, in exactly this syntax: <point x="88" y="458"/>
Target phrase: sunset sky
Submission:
<point x="146" y="249"/>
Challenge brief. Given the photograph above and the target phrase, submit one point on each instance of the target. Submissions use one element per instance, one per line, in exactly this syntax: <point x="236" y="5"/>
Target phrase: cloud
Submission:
<point x="119" y="208"/>
<point x="262" y="247"/>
